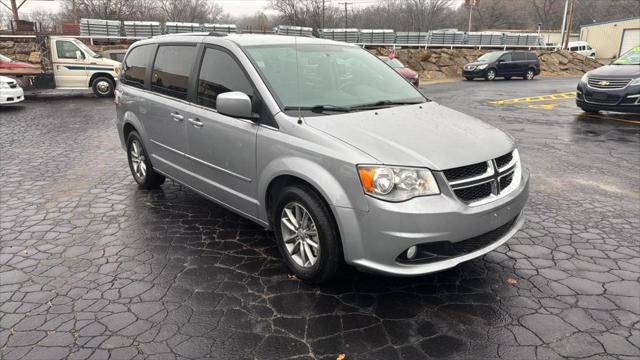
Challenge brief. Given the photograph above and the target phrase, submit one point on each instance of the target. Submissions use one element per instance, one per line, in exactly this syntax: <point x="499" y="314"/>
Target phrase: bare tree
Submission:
<point x="110" y="9"/>
<point x="547" y="12"/>
<point x="191" y="10"/>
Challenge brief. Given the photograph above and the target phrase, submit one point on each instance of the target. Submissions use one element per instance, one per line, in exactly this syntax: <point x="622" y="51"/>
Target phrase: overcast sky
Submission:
<point x="234" y="7"/>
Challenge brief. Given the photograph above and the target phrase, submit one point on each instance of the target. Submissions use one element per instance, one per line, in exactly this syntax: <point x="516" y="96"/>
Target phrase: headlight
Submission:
<point x="397" y="183"/>
<point x="585" y="78"/>
<point x="4" y="85"/>
<point x="483" y="66"/>
<point x="635" y="81"/>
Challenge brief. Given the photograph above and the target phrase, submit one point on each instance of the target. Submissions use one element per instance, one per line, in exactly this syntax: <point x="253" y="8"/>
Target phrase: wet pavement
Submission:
<point x="93" y="267"/>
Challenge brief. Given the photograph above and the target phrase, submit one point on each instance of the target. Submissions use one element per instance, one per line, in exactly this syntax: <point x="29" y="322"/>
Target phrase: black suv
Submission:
<point x="506" y="64"/>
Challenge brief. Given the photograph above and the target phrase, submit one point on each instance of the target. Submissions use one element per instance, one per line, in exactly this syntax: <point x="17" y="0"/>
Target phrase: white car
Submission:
<point x="582" y="48"/>
<point x="10" y="91"/>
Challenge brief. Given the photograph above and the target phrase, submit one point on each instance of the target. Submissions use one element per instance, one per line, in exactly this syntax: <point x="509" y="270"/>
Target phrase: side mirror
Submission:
<point x="79" y="55"/>
<point x="235" y="104"/>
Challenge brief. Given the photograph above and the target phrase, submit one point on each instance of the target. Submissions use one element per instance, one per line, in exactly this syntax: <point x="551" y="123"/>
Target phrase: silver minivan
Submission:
<point x="324" y="144"/>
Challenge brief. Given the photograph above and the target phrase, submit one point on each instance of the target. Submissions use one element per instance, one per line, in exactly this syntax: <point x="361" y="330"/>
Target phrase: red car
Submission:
<point x="403" y="70"/>
<point x="9" y="66"/>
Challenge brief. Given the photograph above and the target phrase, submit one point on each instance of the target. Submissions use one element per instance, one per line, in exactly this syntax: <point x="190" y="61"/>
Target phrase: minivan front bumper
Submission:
<point x="377" y="239"/>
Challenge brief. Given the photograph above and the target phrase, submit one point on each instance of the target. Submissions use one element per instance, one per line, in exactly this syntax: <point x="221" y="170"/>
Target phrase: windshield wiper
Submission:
<point x="320" y="108"/>
<point x="384" y="103"/>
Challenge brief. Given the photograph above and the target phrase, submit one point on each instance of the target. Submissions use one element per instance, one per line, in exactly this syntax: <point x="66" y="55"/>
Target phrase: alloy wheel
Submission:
<point x="300" y="235"/>
<point x="529" y="75"/>
<point x="491" y="75"/>
<point x="138" y="160"/>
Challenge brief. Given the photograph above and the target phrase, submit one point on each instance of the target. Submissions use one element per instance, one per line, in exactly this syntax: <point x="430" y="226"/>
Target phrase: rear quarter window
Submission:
<point x="532" y="56"/>
<point x="135" y="66"/>
<point x="171" y="69"/>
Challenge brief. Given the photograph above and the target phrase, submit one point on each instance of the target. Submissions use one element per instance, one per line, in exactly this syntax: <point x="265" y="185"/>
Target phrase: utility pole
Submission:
<point x="570" y="25"/>
<point x="470" y="4"/>
<point x="564" y="22"/>
<point x="14" y="7"/>
<point x="346" y="13"/>
<point x="323" y="7"/>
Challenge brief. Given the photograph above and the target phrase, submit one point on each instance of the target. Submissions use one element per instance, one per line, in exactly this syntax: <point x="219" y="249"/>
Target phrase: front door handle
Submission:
<point x="195" y="122"/>
<point x="177" y="117"/>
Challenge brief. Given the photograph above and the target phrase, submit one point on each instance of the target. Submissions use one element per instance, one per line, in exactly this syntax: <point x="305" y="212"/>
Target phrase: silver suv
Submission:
<point x="324" y="144"/>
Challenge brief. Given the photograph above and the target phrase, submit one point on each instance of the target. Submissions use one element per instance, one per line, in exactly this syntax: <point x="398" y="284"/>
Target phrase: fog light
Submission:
<point x="411" y="252"/>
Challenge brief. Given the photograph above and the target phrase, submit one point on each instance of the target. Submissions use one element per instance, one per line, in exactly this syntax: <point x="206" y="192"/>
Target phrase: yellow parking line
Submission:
<point x="530" y="99"/>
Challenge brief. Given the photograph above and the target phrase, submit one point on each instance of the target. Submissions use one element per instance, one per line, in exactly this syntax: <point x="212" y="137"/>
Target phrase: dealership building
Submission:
<point x="612" y="38"/>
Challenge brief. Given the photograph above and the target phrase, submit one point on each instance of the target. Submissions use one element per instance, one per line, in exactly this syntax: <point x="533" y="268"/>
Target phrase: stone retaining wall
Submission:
<point x="436" y="64"/>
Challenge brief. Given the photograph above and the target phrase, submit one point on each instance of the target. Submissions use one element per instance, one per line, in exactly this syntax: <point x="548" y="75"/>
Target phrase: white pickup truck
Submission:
<point x="67" y="63"/>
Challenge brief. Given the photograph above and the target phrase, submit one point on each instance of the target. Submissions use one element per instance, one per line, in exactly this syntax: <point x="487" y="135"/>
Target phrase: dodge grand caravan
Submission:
<point x="323" y="143"/>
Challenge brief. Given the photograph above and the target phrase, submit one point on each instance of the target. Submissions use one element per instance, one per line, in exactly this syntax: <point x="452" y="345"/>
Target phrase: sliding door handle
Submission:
<point x="196" y="122"/>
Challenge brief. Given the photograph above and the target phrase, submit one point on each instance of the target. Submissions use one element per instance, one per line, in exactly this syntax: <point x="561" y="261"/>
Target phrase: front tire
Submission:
<point x="139" y="164"/>
<point x="307" y="234"/>
<point x="103" y="86"/>
<point x="491" y="75"/>
<point x="469" y="78"/>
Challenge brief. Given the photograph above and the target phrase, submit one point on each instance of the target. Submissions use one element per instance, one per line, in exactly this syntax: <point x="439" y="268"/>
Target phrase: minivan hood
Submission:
<point x="425" y="135"/>
<point x="476" y="63"/>
<point x="623" y="71"/>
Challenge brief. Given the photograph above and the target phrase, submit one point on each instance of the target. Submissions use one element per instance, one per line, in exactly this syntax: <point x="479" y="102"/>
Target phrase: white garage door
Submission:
<point x="630" y="39"/>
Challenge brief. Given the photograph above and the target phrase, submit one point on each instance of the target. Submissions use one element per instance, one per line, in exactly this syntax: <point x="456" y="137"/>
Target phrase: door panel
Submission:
<point x="506" y="66"/>
<point x="223" y="157"/>
<point x="168" y="110"/>
<point x="164" y="123"/>
<point x="68" y="70"/>
<point x="222" y="149"/>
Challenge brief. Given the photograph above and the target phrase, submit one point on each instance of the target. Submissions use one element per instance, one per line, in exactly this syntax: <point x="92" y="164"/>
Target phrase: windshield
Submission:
<point x="4" y="59"/>
<point x="631" y="57"/>
<point x="490" y="57"/>
<point x="85" y="48"/>
<point x="329" y="76"/>
<point x="394" y="63"/>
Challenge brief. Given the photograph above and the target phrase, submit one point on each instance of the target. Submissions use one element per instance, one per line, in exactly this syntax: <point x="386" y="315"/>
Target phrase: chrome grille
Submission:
<point x="482" y="182"/>
<point x="465" y="172"/>
<point x="608" y="83"/>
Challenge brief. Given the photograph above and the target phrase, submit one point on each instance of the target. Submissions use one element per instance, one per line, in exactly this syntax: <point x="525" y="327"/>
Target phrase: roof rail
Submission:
<point x="218" y="33"/>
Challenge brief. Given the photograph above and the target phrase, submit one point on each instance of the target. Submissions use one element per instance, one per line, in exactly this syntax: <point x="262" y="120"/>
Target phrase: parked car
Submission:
<point x="70" y="64"/>
<point x="614" y="87"/>
<point x="582" y="48"/>
<point x="343" y="163"/>
<point x="506" y="64"/>
<point x="406" y="72"/>
<point x="10" y="91"/>
<point x="6" y="64"/>
<point x="117" y="55"/>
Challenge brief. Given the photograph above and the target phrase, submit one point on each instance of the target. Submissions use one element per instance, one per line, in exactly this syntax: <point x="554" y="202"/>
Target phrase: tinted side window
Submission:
<point x="506" y="57"/>
<point x="171" y="70"/>
<point x="518" y="56"/>
<point x="67" y="50"/>
<point x="220" y="73"/>
<point x="135" y="66"/>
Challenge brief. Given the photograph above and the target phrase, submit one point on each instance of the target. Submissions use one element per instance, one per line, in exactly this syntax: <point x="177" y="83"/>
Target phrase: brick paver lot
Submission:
<point x="92" y="267"/>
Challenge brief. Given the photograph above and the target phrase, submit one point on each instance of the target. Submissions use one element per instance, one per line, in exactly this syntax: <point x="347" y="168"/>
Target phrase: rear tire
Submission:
<point x="103" y="86"/>
<point x="530" y="74"/>
<point x="491" y="75"/>
<point x="295" y="200"/>
<point x="139" y="164"/>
